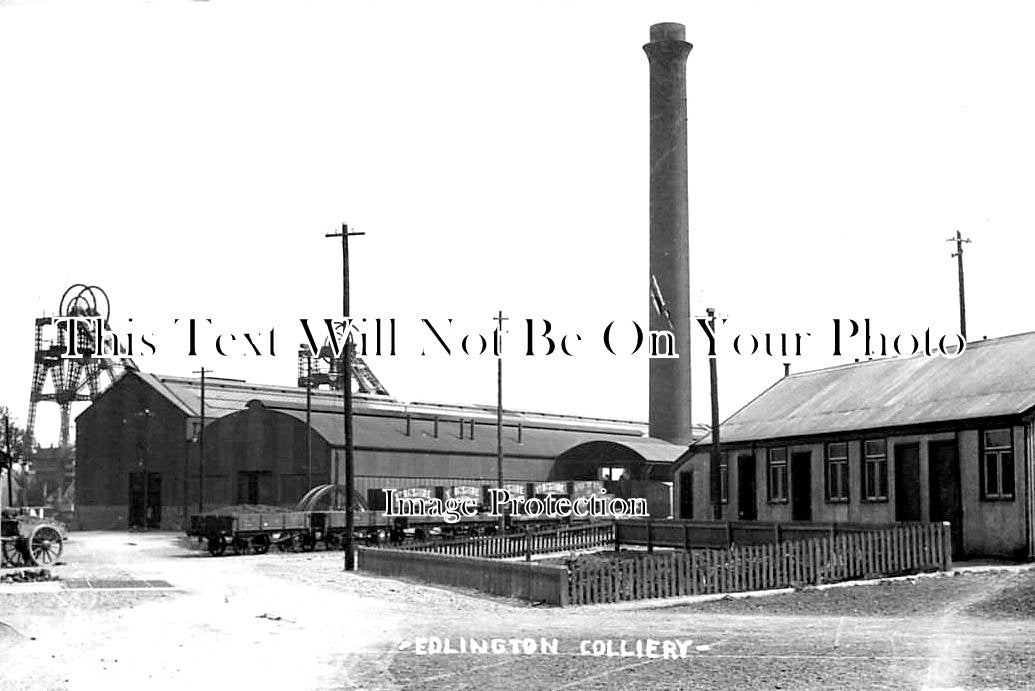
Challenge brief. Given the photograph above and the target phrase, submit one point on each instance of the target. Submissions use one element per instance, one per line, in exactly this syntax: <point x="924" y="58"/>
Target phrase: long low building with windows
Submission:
<point x="139" y="459"/>
<point x="903" y="439"/>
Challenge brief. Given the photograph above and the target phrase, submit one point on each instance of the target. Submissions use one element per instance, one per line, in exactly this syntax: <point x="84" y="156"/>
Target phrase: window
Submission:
<point x="875" y="470"/>
<point x="837" y="472"/>
<point x="724" y="481"/>
<point x="997" y="465"/>
<point x="376" y="500"/>
<point x="777" y="475"/>
<point x="612" y="474"/>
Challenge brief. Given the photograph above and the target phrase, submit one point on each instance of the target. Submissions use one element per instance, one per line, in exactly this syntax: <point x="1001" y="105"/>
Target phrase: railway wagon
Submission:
<point x="244" y="530"/>
<point x="315" y="522"/>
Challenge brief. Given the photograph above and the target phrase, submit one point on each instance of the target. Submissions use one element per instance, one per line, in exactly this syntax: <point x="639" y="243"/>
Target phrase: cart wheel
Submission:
<point x="44" y="545"/>
<point x="285" y="545"/>
<point x="217" y="546"/>
<point x="261" y="544"/>
<point x="308" y="543"/>
<point x="331" y="541"/>
<point x="239" y="545"/>
<point x="12" y="554"/>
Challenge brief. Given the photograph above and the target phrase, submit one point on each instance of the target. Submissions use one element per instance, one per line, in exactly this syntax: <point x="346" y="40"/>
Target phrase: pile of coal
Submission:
<point x="27" y="576"/>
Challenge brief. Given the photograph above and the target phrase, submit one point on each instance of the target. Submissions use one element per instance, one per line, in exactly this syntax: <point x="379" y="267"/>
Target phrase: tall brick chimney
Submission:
<point x="669" y="416"/>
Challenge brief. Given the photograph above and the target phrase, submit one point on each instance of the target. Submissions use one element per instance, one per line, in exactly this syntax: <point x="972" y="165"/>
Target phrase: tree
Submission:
<point x="12" y="458"/>
<point x="16" y="444"/>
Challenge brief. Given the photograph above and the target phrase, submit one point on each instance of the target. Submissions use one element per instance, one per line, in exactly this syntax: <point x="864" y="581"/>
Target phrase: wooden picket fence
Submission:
<point x="618" y="577"/>
<point x="527" y="543"/>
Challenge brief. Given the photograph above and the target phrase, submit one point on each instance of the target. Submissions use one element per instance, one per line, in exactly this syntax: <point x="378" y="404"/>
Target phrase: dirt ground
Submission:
<point x="297" y="621"/>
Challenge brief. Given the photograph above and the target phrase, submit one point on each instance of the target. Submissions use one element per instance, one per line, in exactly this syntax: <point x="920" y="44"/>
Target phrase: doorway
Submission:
<point x="944" y="477"/>
<point x="907" y="482"/>
<point x="255" y="487"/>
<point x="747" y="506"/>
<point x="686" y="494"/>
<point x="145" y="510"/>
<point x="801" y="486"/>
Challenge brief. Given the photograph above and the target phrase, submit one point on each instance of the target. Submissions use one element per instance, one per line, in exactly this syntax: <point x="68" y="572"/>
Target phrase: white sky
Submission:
<point x="188" y="157"/>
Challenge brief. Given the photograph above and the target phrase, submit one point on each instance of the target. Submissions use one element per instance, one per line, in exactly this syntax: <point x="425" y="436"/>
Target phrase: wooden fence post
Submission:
<point x="946" y="564"/>
<point x="618" y="538"/>
<point x="729" y="535"/>
<point x="776" y="532"/>
<point x="528" y="544"/>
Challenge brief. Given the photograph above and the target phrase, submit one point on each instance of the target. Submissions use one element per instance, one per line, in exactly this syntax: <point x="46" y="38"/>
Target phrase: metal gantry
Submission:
<point x="79" y="378"/>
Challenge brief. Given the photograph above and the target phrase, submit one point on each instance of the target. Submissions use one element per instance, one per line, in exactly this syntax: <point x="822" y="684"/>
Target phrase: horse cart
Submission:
<point x="28" y="541"/>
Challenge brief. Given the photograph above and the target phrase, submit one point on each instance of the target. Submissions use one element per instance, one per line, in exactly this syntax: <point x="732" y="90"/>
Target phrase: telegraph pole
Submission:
<point x="145" y="451"/>
<point x="201" y="443"/>
<point x="309" y="419"/>
<point x="499" y="412"/>
<point x="346" y="374"/>
<point x="959" y="257"/>
<point x="716" y="451"/>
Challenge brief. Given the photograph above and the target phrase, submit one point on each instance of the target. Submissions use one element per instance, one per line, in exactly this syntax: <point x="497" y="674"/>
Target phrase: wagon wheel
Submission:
<point x="261" y="544"/>
<point x="286" y="545"/>
<point x="12" y="554"/>
<point x="331" y="541"/>
<point x="217" y="546"/>
<point x="239" y="545"/>
<point x="308" y="542"/>
<point x="44" y="545"/>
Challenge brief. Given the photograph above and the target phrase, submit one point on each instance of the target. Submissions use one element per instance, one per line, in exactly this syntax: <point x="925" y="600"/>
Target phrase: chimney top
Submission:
<point x="667" y="31"/>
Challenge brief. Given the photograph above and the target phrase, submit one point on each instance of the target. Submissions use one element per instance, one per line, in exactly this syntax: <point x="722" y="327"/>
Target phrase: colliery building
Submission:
<point x="917" y="439"/>
<point x="143" y="435"/>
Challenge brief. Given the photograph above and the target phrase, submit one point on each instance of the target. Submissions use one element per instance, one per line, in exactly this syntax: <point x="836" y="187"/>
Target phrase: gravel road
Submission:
<point x="296" y="621"/>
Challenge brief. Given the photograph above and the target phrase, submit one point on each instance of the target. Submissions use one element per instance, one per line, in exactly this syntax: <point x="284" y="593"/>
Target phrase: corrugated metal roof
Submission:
<point x="225" y="396"/>
<point x="991" y="378"/>
<point x="650" y="449"/>
<point x="389" y="432"/>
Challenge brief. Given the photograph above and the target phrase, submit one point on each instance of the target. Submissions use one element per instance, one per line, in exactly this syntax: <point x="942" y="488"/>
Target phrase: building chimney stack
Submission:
<point x="669" y="414"/>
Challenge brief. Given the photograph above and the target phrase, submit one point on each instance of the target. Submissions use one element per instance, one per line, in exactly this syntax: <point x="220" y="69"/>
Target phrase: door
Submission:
<point x="247" y="487"/>
<point x="946" y="505"/>
<point x="801" y="486"/>
<point x="747" y="502"/>
<point x="907" y="482"/>
<point x="686" y="494"/>
<point x="145" y="510"/>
